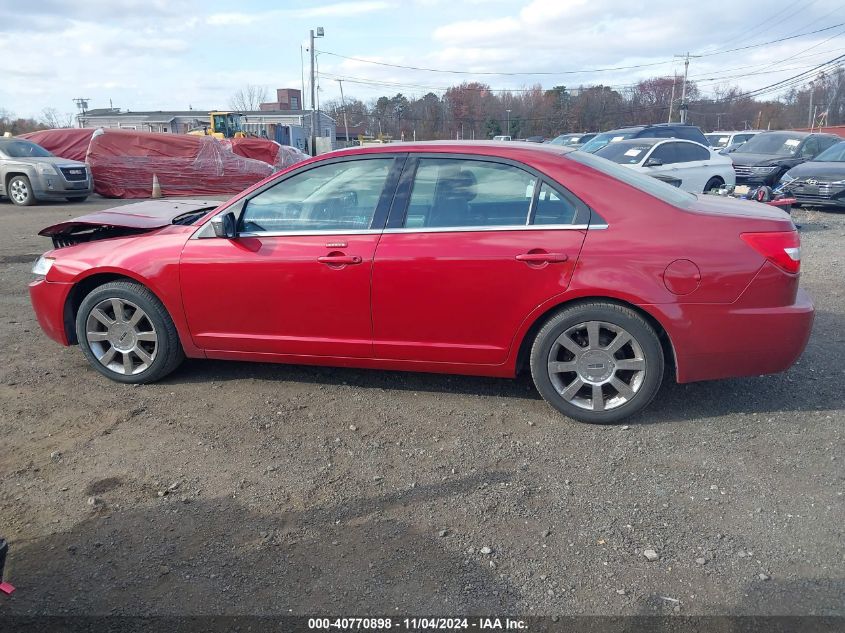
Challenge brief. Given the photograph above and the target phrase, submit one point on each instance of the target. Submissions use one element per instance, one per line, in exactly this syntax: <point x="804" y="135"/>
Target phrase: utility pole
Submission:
<point x="343" y="104"/>
<point x="810" y="112"/>
<point x="508" y="129"/>
<point x="82" y="106"/>
<point x="314" y="112"/>
<point x="684" y="105"/>
<point x="672" y="98"/>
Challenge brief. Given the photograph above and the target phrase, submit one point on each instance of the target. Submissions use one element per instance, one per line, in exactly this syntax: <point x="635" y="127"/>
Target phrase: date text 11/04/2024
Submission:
<point x="416" y="624"/>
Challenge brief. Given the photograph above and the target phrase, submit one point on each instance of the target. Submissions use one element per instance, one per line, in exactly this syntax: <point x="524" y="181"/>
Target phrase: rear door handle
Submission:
<point x="542" y="257"/>
<point x="338" y="260"/>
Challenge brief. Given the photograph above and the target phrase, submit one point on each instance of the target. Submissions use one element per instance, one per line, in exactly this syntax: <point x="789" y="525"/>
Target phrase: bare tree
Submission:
<point x="248" y="98"/>
<point x="52" y="119"/>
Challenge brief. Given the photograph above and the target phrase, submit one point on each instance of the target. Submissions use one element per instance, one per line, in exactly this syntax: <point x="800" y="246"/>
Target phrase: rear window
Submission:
<point x="625" y="153"/>
<point x="652" y="186"/>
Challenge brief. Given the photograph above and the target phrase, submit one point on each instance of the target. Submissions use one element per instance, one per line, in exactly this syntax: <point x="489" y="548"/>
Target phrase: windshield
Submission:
<point x="566" y="139"/>
<point x="780" y="144"/>
<point x="624" y="153"/>
<point x="718" y="141"/>
<point x="600" y="140"/>
<point x="834" y="154"/>
<point x="652" y="186"/>
<point x="23" y="149"/>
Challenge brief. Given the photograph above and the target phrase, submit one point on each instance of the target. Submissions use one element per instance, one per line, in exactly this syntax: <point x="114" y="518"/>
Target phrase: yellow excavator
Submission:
<point x="222" y="125"/>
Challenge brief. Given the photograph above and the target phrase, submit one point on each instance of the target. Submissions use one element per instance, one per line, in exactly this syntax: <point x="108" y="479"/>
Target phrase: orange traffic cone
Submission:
<point x="156" y="187"/>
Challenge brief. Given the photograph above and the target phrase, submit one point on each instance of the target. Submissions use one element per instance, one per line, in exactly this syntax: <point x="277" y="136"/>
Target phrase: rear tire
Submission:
<point x="597" y="362"/>
<point x="20" y="191"/>
<point x="126" y="333"/>
<point x="714" y="183"/>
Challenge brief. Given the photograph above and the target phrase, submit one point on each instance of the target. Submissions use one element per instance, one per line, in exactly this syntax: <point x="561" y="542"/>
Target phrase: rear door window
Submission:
<point x="451" y="192"/>
<point x="689" y="153"/>
<point x="666" y="153"/>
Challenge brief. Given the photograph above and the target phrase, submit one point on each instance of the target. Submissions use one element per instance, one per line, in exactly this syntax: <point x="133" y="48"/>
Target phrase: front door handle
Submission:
<point x="538" y="258"/>
<point x="339" y="260"/>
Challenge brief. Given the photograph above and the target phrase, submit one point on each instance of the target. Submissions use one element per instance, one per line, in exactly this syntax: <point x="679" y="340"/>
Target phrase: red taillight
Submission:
<point x="782" y="248"/>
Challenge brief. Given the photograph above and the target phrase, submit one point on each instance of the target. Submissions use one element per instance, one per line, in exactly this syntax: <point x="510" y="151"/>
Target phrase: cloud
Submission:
<point x="339" y="9"/>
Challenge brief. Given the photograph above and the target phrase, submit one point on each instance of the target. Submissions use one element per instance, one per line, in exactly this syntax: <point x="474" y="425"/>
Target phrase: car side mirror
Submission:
<point x="224" y="225"/>
<point x="653" y="162"/>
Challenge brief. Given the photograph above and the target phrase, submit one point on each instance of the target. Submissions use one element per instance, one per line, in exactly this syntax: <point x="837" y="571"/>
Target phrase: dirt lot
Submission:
<point x="263" y="489"/>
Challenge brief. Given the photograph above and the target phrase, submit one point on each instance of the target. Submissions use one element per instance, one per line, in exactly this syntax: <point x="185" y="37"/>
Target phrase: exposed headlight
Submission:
<point x="786" y="179"/>
<point x="46" y="169"/>
<point x="43" y="265"/>
<point x="764" y="170"/>
<point x="838" y="183"/>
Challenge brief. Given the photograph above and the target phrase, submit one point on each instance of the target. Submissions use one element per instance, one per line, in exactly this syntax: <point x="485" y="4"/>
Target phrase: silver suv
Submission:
<point x="28" y="172"/>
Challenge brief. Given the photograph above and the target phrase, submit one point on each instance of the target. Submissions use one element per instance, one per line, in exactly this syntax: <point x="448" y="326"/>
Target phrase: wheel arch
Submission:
<point x="83" y="287"/>
<point x="539" y="320"/>
<point x="11" y="174"/>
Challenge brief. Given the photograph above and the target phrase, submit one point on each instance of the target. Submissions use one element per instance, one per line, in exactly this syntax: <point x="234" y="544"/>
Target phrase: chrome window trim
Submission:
<point x="507" y="227"/>
<point x="438" y="229"/>
<point x="307" y="232"/>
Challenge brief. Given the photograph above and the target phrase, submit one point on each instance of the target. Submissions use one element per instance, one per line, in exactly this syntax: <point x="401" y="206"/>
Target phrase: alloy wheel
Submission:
<point x="19" y="191"/>
<point x="596" y="365"/>
<point x="121" y="336"/>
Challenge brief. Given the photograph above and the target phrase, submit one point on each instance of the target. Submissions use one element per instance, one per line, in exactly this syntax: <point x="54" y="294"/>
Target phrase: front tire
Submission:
<point x="597" y="362"/>
<point x="20" y="191"/>
<point x="126" y="333"/>
<point x="714" y="183"/>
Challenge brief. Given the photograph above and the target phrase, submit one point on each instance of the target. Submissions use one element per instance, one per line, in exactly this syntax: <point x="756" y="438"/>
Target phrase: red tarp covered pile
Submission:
<point x="123" y="162"/>
<point x="71" y="143"/>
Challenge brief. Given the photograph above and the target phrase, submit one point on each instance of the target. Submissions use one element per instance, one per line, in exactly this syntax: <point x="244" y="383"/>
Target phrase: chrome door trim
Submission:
<point x="509" y="227"/>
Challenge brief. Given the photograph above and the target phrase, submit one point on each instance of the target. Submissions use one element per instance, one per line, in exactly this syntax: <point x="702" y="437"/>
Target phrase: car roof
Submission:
<point x="501" y="149"/>
<point x="797" y="133"/>
<point x="651" y="140"/>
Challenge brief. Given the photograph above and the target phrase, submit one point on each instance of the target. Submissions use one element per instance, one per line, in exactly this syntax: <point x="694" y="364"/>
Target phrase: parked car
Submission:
<point x="727" y="142"/>
<point x="29" y="173"/>
<point x="765" y="158"/>
<point x="658" y="130"/>
<point x="821" y="180"/>
<point x="697" y="167"/>
<point x="535" y="139"/>
<point x="448" y="257"/>
<point x="502" y="137"/>
<point x="571" y="140"/>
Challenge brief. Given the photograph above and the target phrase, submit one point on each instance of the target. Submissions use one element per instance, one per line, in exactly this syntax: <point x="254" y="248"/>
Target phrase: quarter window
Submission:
<point x="450" y="192"/>
<point x="336" y="197"/>
<point x="553" y="208"/>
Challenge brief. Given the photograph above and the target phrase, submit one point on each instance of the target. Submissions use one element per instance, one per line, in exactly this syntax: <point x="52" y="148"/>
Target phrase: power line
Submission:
<point x="569" y="72"/>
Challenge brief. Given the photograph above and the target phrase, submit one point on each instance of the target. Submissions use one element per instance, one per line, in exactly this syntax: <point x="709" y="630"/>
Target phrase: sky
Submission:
<point x="176" y="54"/>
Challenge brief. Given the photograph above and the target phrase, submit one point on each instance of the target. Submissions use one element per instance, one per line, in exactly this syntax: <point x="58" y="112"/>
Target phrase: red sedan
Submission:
<point x="466" y="258"/>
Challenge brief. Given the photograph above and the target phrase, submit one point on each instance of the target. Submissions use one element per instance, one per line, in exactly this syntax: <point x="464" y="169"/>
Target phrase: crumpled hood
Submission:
<point x="142" y="216"/>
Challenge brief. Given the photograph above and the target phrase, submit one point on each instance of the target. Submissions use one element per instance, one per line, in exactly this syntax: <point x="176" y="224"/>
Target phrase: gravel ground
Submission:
<point x="266" y="489"/>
